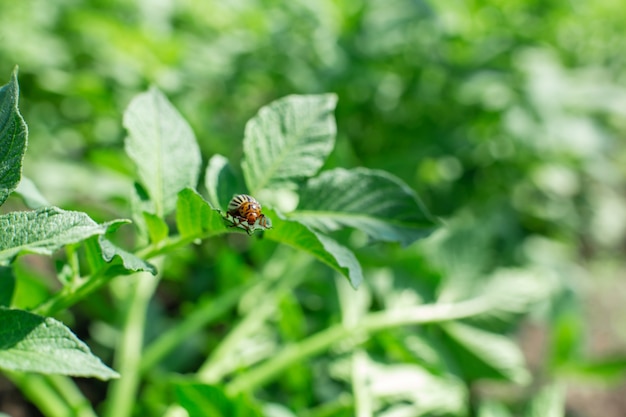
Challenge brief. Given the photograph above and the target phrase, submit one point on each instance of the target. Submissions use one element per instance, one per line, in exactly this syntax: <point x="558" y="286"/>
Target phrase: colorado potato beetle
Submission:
<point x="245" y="212"/>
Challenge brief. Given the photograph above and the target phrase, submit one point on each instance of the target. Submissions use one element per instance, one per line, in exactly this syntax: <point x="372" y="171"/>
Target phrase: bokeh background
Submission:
<point x="507" y="117"/>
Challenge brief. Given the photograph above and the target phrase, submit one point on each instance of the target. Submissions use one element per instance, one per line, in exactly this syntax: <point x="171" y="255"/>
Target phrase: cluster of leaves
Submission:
<point x="508" y="123"/>
<point x="285" y="146"/>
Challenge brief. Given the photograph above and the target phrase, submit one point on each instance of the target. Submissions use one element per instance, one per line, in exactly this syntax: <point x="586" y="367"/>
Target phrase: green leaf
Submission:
<point x="221" y="182"/>
<point x="43" y="231"/>
<point x="31" y="343"/>
<point x="13" y="138"/>
<point x="30" y="194"/>
<point x="201" y="400"/>
<point x="416" y="389"/>
<point x="163" y="147"/>
<point x="157" y="227"/>
<point x="288" y="140"/>
<point x="195" y="218"/>
<point x="317" y="244"/>
<point x="482" y="354"/>
<point x="7" y="285"/>
<point x="375" y="202"/>
<point x="550" y="402"/>
<point x="139" y="204"/>
<point x="513" y="292"/>
<point x="130" y="262"/>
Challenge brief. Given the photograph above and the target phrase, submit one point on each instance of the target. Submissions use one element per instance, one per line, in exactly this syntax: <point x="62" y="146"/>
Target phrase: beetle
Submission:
<point x="245" y="212"/>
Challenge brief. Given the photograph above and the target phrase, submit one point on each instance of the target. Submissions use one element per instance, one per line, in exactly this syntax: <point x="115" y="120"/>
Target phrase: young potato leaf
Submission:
<point x="43" y="231"/>
<point x="195" y="218"/>
<point x="13" y="138"/>
<point x="483" y="354"/>
<point x="221" y="182"/>
<point x="288" y="140"/>
<point x="129" y="261"/>
<point x="163" y="147"/>
<point x="317" y="244"/>
<point x="32" y="343"/>
<point x="375" y="202"/>
<point x="156" y="226"/>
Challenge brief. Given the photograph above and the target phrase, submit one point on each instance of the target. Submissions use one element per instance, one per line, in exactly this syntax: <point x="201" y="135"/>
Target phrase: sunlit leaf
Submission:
<point x="221" y="182"/>
<point x="417" y="389"/>
<point x="513" y="292"/>
<point x="288" y="140"/>
<point x="129" y="261"/>
<point x="482" y="354"/>
<point x="43" y="231"/>
<point x="163" y="147"/>
<point x="13" y="138"/>
<point x="157" y="227"/>
<point x="317" y="244"/>
<point x="31" y="343"/>
<point x="195" y="218"/>
<point x="373" y="201"/>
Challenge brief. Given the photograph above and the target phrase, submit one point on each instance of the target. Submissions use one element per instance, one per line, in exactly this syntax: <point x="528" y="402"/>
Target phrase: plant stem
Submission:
<point x="71" y="295"/>
<point x="286" y="275"/>
<point x="40" y="392"/>
<point x="370" y="323"/>
<point x="201" y="316"/>
<point x="362" y="398"/>
<point x="79" y="405"/>
<point x="122" y="392"/>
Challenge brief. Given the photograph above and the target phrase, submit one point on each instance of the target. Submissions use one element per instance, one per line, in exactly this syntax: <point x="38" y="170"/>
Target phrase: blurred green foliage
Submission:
<point x="508" y="117"/>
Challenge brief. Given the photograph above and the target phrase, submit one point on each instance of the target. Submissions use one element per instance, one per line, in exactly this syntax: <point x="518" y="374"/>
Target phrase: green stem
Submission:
<point x="40" y="392"/>
<point x="201" y="316"/>
<point x="122" y="392"/>
<point x="70" y="295"/>
<point x="342" y="405"/>
<point x="362" y="398"/>
<point x="287" y="275"/>
<point x="72" y="260"/>
<point x="371" y="323"/>
<point x="277" y="281"/>
<point x="79" y="405"/>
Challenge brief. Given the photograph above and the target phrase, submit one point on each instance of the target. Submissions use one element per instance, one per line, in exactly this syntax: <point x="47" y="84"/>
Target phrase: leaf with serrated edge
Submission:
<point x="13" y="138"/>
<point x="163" y="147"/>
<point x="195" y="218"/>
<point x="129" y="261"/>
<point x="288" y="140"/>
<point x="43" y="231"/>
<point x="221" y="182"/>
<point x="373" y="201"/>
<point x="31" y="343"/>
<point x="317" y="244"/>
